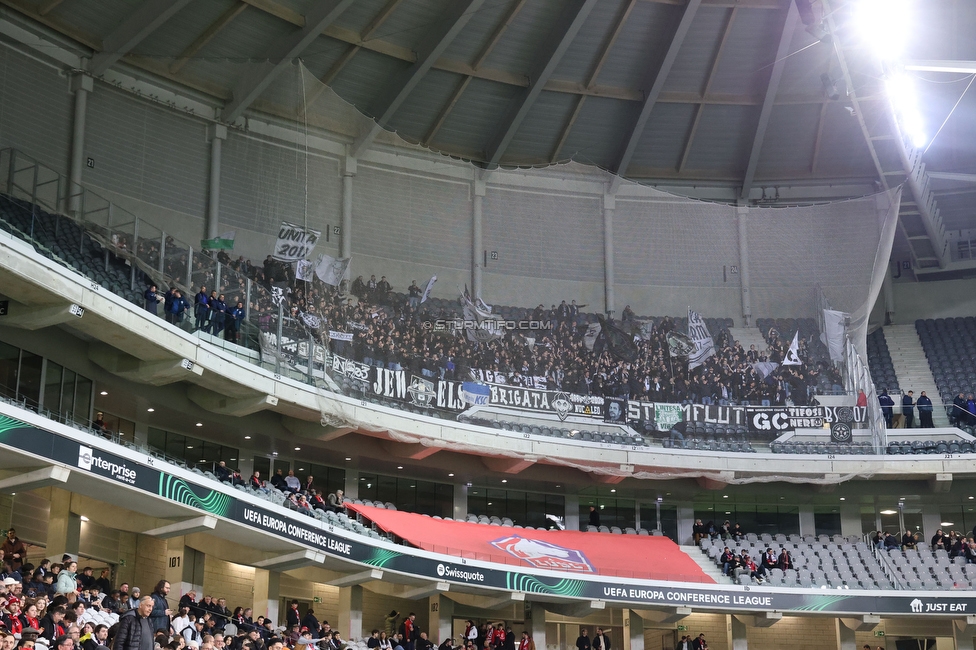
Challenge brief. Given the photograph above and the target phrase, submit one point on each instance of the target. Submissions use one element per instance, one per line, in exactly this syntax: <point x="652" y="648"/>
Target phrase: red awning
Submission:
<point x="627" y="556"/>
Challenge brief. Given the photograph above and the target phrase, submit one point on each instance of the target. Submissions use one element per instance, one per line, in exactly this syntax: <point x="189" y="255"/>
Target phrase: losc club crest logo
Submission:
<point x="544" y="555"/>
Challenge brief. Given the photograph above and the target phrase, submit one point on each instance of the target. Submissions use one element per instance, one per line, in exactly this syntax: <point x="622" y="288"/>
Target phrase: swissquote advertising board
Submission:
<point x="95" y="457"/>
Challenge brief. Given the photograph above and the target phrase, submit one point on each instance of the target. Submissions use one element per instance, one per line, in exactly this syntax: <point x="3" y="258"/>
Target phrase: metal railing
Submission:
<point x="49" y="200"/>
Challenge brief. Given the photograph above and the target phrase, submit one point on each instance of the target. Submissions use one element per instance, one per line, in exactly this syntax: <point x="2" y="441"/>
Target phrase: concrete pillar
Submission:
<point x="807" y="522"/>
<point x="740" y="640"/>
<point x="194" y="564"/>
<point x="351" y="612"/>
<point x="686" y="521"/>
<point x="477" y="228"/>
<point x="217" y="134"/>
<point x="174" y="569"/>
<point x="845" y="636"/>
<point x="441" y="621"/>
<point x="267" y="593"/>
<point x="535" y="624"/>
<point x="931" y="521"/>
<point x="741" y="213"/>
<point x="351" y="489"/>
<point x="571" y="517"/>
<point x="460" y="501"/>
<point x="349" y="168"/>
<point x="850" y="519"/>
<point x="81" y="85"/>
<point x="963" y="630"/>
<point x="609" y="204"/>
<point x="633" y="630"/>
<point x="63" y="527"/>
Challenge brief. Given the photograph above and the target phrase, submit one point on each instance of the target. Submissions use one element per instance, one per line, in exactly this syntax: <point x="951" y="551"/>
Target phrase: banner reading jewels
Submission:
<point x="427" y="392"/>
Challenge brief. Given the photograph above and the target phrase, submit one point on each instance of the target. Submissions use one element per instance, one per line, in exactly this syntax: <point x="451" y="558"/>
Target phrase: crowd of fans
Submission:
<point x="954" y="543"/>
<point x="392" y="330"/>
<point x="56" y="605"/>
<point x="300" y="496"/>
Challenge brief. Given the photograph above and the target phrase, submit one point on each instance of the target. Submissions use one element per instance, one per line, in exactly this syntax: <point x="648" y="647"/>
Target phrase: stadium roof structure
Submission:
<point x="743" y="95"/>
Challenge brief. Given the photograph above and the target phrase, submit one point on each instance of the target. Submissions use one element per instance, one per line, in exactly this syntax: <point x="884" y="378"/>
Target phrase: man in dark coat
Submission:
<point x="135" y="630"/>
<point x="908" y="408"/>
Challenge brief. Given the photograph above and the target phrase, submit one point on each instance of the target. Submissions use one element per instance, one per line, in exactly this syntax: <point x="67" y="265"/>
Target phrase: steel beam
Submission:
<point x="206" y="36"/>
<point x="295" y="560"/>
<point x="402" y="84"/>
<point x="352" y="579"/>
<point x="567" y="26"/>
<point x="955" y="67"/>
<point x="281" y="54"/>
<point x="782" y="51"/>
<point x="652" y="91"/>
<point x="140" y="24"/>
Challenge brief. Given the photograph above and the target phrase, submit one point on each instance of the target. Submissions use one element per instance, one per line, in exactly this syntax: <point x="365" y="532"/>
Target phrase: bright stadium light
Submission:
<point x="904" y="99"/>
<point x="884" y="26"/>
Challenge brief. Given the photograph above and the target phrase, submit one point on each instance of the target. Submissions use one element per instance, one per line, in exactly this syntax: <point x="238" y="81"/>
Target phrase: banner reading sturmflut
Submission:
<point x="704" y="345"/>
<point x="294" y="242"/>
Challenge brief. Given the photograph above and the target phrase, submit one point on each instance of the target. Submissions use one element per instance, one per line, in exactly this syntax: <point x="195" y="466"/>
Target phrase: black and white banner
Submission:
<point x="698" y="333"/>
<point x="294" y="242"/>
<point x="351" y="369"/>
<point x="340" y="336"/>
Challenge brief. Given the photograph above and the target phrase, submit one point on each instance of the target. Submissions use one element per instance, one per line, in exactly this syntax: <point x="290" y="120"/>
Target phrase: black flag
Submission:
<point x="618" y="343"/>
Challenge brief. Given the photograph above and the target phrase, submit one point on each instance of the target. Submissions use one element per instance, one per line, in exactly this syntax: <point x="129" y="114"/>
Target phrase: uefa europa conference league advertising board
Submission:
<point x="94" y="457"/>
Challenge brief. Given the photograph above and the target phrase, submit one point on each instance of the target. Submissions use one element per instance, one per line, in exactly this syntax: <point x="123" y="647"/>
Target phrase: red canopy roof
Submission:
<point x="629" y="556"/>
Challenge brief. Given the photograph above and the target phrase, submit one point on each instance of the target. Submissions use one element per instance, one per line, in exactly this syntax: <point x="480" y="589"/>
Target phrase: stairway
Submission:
<point x="912" y="368"/>
<point x="711" y="569"/>
<point x="747" y="336"/>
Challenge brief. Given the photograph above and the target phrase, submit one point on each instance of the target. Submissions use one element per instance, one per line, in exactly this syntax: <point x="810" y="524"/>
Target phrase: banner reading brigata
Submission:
<point x="427" y="392"/>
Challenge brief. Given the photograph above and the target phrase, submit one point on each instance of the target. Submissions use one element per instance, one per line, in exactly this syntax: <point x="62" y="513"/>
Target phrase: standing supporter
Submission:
<point x="135" y="630"/>
<point x="14" y="549"/>
<point x="160" y="613"/>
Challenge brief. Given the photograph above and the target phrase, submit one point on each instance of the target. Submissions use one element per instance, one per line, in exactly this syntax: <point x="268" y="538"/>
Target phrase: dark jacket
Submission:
<point x="158" y="619"/>
<point x="135" y="633"/>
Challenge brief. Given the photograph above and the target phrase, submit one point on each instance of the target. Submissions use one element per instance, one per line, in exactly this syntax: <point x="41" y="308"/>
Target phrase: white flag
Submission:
<point x="303" y="270"/>
<point x="330" y="270"/>
<point x="793" y="354"/>
<point x="704" y="345"/>
<point x="430" y="287"/>
<point x="294" y="242"/>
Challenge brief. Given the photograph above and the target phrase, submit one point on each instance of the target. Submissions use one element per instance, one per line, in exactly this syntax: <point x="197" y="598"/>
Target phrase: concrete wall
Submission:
<point x="944" y="299"/>
<point x="235" y="582"/>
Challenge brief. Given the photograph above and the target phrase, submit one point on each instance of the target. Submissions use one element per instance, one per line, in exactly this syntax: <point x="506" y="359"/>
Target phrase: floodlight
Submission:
<point x="884" y="26"/>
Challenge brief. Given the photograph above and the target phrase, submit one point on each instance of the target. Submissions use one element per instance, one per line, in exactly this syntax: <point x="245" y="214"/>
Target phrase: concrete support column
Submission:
<point x="931" y="522"/>
<point x="63" y="527"/>
<point x="741" y="219"/>
<point x="351" y="611"/>
<point x="845" y="636"/>
<point x="349" y="169"/>
<point x="460" y="501"/>
<point x="351" y="488"/>
<point x="609" y="204"/>
<point x="739" y="638"/>
<point x="571" y="516"/>
<point x="194" y="565"/>
<point x="686" y="522"/>
<point x="850" y="520"/>
<point x="963" y="630"/>
<point x="267" y="593"/>
<point x="217" y="134"/>
<point x="175" y="570"/>
<point x="807" y="521"/>
<point x="81" y="85"/>
<point x="536" y="625"/>
<point x="477" y="229"/>
<point x="633" y="630"/>
<point x="441" y="621"/>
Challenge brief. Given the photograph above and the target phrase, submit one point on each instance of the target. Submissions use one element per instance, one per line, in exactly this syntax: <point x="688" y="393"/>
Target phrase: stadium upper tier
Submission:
<point x="234" y="380"/>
